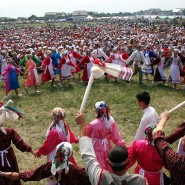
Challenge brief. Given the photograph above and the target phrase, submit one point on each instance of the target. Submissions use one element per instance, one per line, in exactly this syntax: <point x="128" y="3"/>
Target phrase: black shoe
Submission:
<point x="141" y="83"/>
<point x="26" y="89"/>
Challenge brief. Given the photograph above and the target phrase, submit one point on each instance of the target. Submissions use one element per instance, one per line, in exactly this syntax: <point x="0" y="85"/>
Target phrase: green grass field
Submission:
<point x="120" y="97"/>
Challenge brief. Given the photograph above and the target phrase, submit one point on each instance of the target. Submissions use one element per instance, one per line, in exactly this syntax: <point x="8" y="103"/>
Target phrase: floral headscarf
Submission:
<point x="58" y="113"/>
<point x="62" y="157"/>
<point x="148" y="132"/>
<point x="102" y="109"/>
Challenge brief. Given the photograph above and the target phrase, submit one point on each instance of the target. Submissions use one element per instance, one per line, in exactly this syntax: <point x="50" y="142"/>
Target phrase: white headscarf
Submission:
<point x="7" y="114"/>
<point x="62" y="157"/>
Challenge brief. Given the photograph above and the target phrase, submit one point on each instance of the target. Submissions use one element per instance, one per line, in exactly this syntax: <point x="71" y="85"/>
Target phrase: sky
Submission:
<point x="26" y="8"/>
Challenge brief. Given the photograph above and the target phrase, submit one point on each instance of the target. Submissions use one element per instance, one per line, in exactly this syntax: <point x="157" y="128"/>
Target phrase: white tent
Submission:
<point x="89" y="17"/>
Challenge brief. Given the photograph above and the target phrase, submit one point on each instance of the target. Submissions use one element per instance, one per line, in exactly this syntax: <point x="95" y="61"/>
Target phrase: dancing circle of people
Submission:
<point x="63" y="52"/>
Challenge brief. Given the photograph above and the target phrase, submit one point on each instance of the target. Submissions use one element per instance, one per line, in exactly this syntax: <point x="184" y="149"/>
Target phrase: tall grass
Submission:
<point x="120" y="97"/>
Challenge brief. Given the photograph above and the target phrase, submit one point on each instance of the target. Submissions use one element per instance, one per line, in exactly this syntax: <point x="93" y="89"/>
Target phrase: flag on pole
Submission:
<point x="98" y="70"/>
<point x="120" y="72"/>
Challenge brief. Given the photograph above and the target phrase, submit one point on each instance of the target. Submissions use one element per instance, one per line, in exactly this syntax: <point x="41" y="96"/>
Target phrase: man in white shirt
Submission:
<point x="150" y="115"/>
<point x="117" y="159"/>
<point x="98" y="53"/>
<point x="138" y="60"/>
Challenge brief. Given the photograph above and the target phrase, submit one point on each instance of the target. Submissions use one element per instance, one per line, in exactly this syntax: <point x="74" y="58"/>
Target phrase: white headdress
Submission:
<point x="7" y="112"/>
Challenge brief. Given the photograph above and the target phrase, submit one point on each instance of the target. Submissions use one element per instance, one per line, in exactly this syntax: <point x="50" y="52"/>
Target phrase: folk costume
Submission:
<point x="32" y="75"/>
<point x="8" y="136"/>
<point x="48" y="73"/>
<point x="103" y="130"/>
<point x="73" y="56"/>
<point x="57" y="132"/>
<point x="149" y="162"/>
<point x="160" y="74"/>
<point x="116" y="58"/>
<point x="175" y="64"/>
<point x="87" y="61"/>
<point x="65" y="68"/>
<point x="12" y="80"/>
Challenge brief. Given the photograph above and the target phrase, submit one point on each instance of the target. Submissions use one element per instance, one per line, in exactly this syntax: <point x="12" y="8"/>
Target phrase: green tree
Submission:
<point x="33" y="17"/>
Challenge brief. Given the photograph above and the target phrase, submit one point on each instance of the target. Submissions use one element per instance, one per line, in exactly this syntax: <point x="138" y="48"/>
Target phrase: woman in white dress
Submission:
<point x="175" y="64"/>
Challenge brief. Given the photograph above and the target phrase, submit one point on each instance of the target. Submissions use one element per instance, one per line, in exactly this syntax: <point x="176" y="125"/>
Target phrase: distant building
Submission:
<point x="80" y="13"/>
<point x="51" y="15"/>
<point x="152" y="11"/>
<point x="61" y="14"/>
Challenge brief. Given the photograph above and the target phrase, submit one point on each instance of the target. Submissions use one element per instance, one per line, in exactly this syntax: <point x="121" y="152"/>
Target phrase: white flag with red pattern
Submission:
<point x="120" y="72"/>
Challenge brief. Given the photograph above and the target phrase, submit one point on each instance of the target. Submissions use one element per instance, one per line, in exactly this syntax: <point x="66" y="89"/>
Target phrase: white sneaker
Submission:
<point x="60" y="85"/>
<point x="37" y="91"/>
<point x="19" y="95"/>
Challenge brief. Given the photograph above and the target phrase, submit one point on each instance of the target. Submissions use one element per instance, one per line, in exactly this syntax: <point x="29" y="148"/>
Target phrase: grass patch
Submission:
<point x="120" y="97"/>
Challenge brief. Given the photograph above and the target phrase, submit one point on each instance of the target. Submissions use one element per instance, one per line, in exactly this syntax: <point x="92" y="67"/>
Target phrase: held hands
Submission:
<point x="36" y="154"/>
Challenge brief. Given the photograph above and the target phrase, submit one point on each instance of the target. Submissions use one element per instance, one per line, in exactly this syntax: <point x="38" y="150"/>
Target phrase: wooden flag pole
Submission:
<point x="177" y="107"/>
<point x="91" y="79"/>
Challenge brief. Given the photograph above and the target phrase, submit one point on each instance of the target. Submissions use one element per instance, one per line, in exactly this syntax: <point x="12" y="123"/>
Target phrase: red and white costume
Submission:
<point x="116" y="58"/>
<point x="87" y="61"/>
<point x="72" y="57"/>
<point x="149" y="162"/>
<point x="54" y="137"/>
<point x="65" y="67"/>
<point x="48" y="73"/>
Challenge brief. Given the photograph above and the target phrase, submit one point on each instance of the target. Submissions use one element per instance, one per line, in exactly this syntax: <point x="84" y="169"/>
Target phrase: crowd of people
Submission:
<point x="59" y="53"/>
<point x="64" y="51"/>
